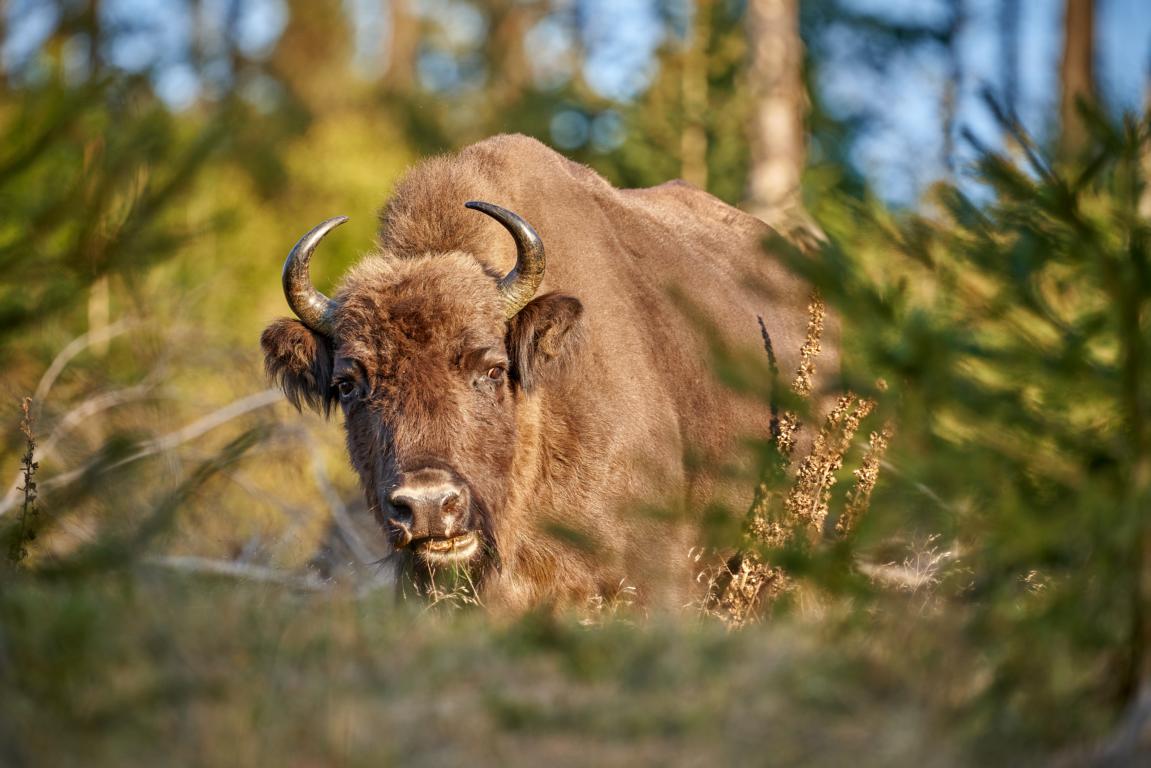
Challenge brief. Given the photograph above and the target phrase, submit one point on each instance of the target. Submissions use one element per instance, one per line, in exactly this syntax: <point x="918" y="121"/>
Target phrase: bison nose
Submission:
<point x="428" y="504"/>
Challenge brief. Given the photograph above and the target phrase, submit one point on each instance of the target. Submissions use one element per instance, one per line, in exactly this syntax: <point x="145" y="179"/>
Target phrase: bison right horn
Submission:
<point x="520" y="285"/>
<point x="314" y="309"/>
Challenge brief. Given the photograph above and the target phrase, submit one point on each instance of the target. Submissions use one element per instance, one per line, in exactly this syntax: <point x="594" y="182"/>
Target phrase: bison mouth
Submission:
<point x="445" y="550"/>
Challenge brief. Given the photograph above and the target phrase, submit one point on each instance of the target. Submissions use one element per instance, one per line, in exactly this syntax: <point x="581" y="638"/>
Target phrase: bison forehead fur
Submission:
<point x="527" y="447"/>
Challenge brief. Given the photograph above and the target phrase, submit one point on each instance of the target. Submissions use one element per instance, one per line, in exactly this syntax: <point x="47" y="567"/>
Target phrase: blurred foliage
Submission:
<point x="653" y="149"/>
<point x="1012" y="335"/>
<point x="107" y="194"/>
<point x="992" y="601"/>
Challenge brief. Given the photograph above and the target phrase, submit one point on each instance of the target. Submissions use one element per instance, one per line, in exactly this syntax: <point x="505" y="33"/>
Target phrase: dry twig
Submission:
<point x="26" y="530"/>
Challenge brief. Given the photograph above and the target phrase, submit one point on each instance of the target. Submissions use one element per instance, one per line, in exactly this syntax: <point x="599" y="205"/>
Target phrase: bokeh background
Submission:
<point x="192" y="577"/>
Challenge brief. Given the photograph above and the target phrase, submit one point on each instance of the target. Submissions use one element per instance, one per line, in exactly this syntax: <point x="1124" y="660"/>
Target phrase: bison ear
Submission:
<point x="541" y="336"/>
<point x="300" y="362"/>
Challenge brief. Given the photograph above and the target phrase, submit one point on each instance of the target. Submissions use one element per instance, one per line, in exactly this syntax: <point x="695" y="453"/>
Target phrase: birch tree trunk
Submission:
<point x="1010" y="13"/>
<point x="1145" y="160"/>
<point x="401" y="47"/>
<point x="100" y="293"/>
<point x="779" y="105"/>
<point x="694" y="85"/>
<point x="1077" y="71"/>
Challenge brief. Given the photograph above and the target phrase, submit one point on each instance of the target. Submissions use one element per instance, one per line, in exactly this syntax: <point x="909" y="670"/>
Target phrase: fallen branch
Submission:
<point x="340" y="516"/>
<point x="90" y="407"/>
<point x="258" y="573"/>
<point x="85" y="410"/>
<point x="168" y="442"/>
<point x="244" y="571"/>
<point x="70" y="351"/>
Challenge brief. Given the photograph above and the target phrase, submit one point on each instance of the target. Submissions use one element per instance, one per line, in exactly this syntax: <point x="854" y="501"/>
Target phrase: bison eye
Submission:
<point x="496" y="372"/>
<point x="346" y="388"/>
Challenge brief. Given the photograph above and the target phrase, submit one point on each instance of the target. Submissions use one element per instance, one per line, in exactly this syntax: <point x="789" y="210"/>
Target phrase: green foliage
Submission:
<point x="1013" y="336"/>
<point x="653" y="150"/>
<point x="86" y="177"/>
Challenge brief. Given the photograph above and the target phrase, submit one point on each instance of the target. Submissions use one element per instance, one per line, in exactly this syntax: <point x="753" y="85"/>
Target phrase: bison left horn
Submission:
<point x="520" y="285"/>
<point x="314" y="309"/>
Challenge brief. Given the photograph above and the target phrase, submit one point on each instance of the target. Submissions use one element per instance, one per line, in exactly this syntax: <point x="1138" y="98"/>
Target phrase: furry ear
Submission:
<point x="541" y="336"/>
<point x="300" y="362"/>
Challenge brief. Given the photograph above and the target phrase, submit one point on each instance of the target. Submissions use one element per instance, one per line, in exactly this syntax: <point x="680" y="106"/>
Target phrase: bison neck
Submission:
<point x="587" y="509"/>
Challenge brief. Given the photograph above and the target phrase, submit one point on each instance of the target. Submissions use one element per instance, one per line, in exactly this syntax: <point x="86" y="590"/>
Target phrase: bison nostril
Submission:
<point x="404" y="503"/>
<point x="428" y="503"/>
<point x="401" y="531"/>
<point x="402" y="509"/>
<point x="452" y="502"/>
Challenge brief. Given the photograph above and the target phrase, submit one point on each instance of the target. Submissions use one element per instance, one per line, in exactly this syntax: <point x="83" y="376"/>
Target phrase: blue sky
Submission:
<point x="901" y="151"/>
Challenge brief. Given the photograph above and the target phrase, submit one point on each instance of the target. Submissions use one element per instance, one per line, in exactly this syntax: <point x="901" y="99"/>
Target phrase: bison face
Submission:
<point x="431" y="371"/>
<point x="421" y="373"/>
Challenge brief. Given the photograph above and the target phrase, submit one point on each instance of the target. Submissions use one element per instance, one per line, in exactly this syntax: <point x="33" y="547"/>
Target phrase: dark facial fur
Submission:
<point x="427" y="373"/>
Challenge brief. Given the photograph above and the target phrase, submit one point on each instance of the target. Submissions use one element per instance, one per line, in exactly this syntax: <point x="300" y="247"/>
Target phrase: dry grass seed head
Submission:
<point x="866" y="475"/>
<point x="740" y="589"/>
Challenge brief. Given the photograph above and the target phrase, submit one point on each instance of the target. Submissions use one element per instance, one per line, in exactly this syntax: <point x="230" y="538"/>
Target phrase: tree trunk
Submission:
<point x="4" y="74"/>
<point x="99" y="294"/>
<point x="314" y="51"/>
<point x="90" y="23"/>
<point x="1077" y="71"/>
<point x="694" y="85"/>
<point x="401" y="47"/>
<point x="508" y="70"/>
<point x="1010" y="12"/>
<point x="779" y="104"/>
<point x="235" y="56"/>
<point x="953" y="84"/>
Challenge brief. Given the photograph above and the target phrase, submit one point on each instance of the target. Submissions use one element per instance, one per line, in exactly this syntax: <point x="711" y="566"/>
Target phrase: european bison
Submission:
<point x="549" y="425"/>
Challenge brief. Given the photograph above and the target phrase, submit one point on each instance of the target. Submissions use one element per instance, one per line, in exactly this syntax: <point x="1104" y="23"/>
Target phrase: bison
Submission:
<point x="539" y="411"/>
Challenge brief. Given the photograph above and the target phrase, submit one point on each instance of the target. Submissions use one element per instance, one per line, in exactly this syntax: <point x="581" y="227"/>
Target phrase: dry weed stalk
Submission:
<point x="745" y="585"/>
<point x="810" y="495"/>
<point x="618" y="605"/>
<point x="804" y="381"/>
<point x="805" y="375"/>
<point x="866" y="476"/>
<point x="448" y="588"/>
<point x="26" y="530"/>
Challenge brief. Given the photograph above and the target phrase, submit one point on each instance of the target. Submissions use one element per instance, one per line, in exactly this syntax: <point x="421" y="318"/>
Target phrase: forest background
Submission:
<point x="190" y="575"/>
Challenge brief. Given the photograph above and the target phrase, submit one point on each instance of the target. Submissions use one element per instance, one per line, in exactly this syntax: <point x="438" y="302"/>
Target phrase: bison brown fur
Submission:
<point x="523" y="449"/>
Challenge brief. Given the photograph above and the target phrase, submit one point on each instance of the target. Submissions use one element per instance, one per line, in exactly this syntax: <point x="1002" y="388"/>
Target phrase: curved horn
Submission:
<point x="518" y="286"/>
<point x="312" y="307"/>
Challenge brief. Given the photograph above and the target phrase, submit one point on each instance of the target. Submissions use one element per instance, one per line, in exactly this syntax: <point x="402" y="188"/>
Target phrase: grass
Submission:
<point x="150" y="667"/>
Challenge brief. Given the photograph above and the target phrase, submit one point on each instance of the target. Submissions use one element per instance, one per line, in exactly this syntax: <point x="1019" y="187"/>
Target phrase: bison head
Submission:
<point x="431" y="359"/>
